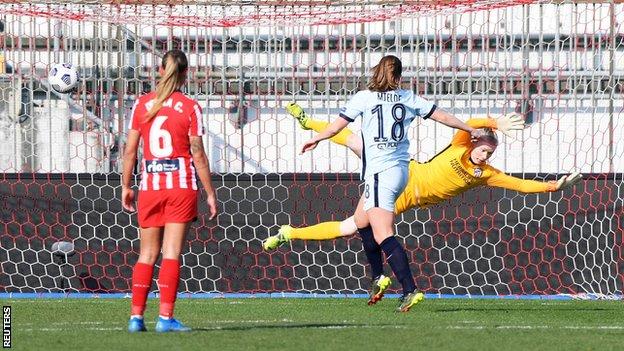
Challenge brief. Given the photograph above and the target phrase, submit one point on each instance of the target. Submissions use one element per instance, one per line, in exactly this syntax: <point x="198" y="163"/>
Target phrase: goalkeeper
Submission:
<point x="459" y="167"/>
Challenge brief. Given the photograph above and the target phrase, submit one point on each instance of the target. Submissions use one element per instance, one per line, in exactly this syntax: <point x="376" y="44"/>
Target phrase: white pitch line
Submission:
<point x="599" y="327"/>
<point x="99" y="301"/>
<point x="254" y="321"/>
<point x="68" y="329"/>
<point x="19" y="325"/>
<point x="330" y="327"/>
<point x="529" y="327"/>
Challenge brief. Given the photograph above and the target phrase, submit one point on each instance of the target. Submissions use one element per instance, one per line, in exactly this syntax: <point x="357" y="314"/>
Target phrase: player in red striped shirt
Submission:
<point x="171" y="127"/>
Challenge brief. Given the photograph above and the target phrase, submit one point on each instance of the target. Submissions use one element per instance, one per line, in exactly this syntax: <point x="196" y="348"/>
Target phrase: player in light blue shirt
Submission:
<point x="385" y="118"/>
<point x="386" y="111"/>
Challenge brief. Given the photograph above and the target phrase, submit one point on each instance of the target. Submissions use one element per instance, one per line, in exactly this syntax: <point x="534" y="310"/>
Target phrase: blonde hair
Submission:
<point x="386" y="74"/>
<point x="175" y="64"/>
<point x="488" y="138"/>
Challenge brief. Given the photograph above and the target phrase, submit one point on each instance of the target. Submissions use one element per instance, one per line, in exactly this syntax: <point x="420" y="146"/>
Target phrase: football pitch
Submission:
<point x="322" y="324"/>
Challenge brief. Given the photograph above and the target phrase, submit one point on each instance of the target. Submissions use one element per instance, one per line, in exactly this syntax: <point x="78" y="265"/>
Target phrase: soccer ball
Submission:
<point x="63" y="77"/>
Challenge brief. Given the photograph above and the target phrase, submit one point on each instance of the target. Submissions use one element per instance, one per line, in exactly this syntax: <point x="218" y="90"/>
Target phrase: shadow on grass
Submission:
<point x="283" y="326"/>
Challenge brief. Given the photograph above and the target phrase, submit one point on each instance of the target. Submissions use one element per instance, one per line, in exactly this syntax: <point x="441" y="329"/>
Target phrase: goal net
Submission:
<point x="557" y="63"/>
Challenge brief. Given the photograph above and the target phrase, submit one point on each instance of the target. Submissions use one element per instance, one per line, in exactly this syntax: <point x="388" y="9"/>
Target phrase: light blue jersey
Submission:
<point x="385" y="118"/>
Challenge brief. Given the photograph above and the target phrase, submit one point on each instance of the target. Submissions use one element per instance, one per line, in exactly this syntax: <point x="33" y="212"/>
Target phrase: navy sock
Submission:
<point x="397" y="258"/>
<point x="372" y="250"/>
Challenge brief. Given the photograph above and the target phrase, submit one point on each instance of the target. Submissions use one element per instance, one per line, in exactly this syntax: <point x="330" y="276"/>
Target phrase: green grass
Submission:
<point x="323" y="324"/>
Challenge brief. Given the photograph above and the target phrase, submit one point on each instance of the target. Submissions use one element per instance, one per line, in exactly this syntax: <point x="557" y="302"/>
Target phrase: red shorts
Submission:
<point x="155" y="208"/>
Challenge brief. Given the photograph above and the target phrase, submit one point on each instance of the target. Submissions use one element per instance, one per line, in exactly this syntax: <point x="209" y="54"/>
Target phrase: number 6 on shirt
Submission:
<point x="160" y="142"/>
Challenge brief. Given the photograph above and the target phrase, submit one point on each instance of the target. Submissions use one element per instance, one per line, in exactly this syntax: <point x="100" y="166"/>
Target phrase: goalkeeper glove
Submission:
<point x="509" y="122"/>
<point x="568" y="181"/>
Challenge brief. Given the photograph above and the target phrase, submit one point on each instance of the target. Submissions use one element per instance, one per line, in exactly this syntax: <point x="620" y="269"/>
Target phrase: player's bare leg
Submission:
<point x="354" y="143"/>
<point x="150" y="244"/>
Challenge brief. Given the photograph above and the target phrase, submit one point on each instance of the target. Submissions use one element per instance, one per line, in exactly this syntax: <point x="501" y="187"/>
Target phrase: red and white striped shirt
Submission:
<point x="167" y="161"/>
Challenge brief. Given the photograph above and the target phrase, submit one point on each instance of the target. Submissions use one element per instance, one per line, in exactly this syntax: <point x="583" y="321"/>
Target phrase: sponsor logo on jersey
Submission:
<point x="158" y="166"/>
<point x="461" y="172"/>
<point x="478" y="172"/>
<point x="386" y="145"/>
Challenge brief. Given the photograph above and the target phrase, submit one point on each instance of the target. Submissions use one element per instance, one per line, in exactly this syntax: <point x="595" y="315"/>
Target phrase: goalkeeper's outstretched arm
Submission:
<point x="502" y="180"/>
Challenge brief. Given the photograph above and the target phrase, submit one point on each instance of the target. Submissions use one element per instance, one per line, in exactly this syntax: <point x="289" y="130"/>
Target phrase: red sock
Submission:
<point x="141" y="283"/>
<point x="168" y="281"/>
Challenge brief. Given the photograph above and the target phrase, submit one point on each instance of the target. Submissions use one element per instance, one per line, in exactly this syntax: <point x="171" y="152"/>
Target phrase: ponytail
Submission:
<point x="175" y="65"/>
<point x="386" y="74"/>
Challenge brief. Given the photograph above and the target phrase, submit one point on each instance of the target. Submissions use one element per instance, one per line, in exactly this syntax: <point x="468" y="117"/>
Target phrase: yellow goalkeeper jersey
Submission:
<point x="451" y="172"/>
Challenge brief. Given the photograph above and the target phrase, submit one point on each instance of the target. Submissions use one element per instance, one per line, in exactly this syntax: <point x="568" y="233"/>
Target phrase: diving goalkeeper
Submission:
<point x="461" y="166"/>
